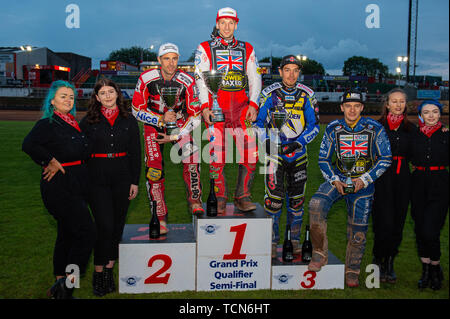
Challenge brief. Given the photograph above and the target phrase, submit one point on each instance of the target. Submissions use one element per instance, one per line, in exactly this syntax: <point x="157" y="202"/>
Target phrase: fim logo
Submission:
<point x="283" y="278"/>
<point x="131" y="280"/>
<point x="210" y="229"/>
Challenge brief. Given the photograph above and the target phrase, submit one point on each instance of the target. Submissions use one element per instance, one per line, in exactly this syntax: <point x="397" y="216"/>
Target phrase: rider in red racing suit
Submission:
<point x="148" y="108"/>
<point x="238" y="58"/>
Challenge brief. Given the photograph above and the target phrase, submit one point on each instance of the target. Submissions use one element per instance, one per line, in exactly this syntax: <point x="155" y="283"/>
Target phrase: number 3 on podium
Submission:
<point x="310" y="279"/>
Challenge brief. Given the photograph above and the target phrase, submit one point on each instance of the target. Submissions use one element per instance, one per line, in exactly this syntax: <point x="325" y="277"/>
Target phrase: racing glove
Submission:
<point x="291" y="147"/>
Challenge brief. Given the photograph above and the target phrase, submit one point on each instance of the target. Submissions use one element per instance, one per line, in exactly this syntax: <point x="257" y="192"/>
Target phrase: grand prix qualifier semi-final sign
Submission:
<point x="233" y="251"/>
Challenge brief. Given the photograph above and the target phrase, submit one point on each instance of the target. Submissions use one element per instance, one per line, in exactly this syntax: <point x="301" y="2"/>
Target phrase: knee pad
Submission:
<point x="296" y="205"/>
<point x="318" y="209"/>
<point x="154" y="174"/>
<point x="273" y="205"/>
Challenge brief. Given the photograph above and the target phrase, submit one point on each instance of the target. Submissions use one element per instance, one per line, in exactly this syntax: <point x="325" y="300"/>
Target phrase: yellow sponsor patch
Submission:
<point x="154" y="174"/>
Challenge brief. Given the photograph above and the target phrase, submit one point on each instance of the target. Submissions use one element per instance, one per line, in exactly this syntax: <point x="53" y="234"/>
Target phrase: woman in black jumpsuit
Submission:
<point x="114" y="170"/>
<point x="430" y="186"/>
<point x="57" y="144"/>
<point x="392" y="189"/>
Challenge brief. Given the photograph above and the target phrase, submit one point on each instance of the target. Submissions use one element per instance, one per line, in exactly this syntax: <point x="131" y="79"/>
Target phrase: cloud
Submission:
<point x="332" y="57"/>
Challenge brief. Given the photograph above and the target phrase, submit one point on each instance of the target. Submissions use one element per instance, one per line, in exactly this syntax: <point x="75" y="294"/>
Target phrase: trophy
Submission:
<point x="213" y="81"/>
<point x="348" y="163"/>
<point x="170" y="96"/>
<point x="278" y="119"/>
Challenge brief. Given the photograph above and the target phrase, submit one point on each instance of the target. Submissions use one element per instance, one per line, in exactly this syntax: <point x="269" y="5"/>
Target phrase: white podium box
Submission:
<point x="295" y="275"/>
<point x="233" y="250"/>
<point x="157" y="265"/>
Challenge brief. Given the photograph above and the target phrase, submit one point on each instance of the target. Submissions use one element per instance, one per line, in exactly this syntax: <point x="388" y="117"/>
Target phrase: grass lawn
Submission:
<point x="28" y="232"/>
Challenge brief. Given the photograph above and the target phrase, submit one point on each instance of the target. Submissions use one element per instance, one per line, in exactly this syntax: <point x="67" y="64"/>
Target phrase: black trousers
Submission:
<point x="109" y="204"/>
<point x="389" y="210"/>
<point x="76" y="233"/>
<point x="429" y="208"/>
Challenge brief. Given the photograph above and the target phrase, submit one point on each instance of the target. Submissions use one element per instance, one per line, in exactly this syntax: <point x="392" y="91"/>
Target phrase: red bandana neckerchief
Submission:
<point x="110" y="114"/>
<point x="394" y="120"/>
<point x="429" y="130"/>
<point x="69" y="119"/>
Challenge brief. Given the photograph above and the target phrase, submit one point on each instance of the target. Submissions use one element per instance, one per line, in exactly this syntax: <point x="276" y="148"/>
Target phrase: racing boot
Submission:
<point x="244" y="204"/>
<point x="391" y="277"/>
<point x="163" y="229"/>
<point x="351" y="278"/>
<point x="297" y="248"/>
<point x="191" y="176"/>
<point x="197" y="209"/>
<point x="424" y="281"/>
<point x="437" y="276"/>
<point x="319" y="240"/>
<point x="354" y="253"/>
<point x="242" y="200"/>
<point x="274" y="250"/>
<point x="221" y="205"/>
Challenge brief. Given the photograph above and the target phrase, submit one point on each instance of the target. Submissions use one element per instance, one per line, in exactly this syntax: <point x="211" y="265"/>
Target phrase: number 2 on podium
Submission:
<point x="156" y="278"/>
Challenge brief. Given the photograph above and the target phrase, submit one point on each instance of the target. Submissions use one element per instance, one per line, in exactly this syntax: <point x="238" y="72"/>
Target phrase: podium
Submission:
<point x="157" y="265"/>
<point x="228" y="252"/>
<point x="295" y="275"/>
<point x="233" y="250"/>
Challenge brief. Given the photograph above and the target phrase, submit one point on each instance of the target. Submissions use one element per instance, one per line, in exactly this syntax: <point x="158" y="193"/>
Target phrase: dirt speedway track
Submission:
<point x="19" y="115"/>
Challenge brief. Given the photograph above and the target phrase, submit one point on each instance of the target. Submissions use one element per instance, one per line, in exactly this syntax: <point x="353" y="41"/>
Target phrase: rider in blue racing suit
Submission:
<point x="300" y="128"/>
<point x="367" y="139"/>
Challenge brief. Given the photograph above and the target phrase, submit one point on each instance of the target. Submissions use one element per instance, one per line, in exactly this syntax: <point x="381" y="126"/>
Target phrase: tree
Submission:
<point x="310" y="66"/>
<point x="133" y="55"/>
<point x="358" y="65"/>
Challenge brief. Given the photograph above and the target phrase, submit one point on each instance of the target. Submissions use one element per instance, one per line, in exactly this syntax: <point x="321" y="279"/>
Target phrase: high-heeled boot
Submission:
<point x="436" y="276"/>
<point x="59" y="290"/>
<point x="424" y="281"/>
<point x="391" y="277"/>
<point x="379" y="261"/>
<point x="108" y="277"/>
<point x="98" y="284"/>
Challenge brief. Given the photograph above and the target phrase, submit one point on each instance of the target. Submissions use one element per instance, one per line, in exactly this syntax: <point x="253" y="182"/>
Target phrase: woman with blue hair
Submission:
<point x="430" y="186"/>
<point x="57" y="144"/>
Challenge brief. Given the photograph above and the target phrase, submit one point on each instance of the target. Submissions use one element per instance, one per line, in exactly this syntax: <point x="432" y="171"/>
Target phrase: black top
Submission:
<point x="429" y="151"/>
<point x="400" y="139"/>
<point x="53" y="137"/>
<point x="123" y="136"/>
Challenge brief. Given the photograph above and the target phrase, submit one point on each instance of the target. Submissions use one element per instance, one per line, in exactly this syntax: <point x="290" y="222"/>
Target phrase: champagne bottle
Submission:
<point x="211" y="203"/>
<point x="154" y="223"/>
<point x="307" y="247"/>
<point x="288" y="250"/>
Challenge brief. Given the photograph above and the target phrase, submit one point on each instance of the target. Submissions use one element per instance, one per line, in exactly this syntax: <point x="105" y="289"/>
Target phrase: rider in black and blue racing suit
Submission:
<point x="288" y="166"/>
<point x="366" y="143"/>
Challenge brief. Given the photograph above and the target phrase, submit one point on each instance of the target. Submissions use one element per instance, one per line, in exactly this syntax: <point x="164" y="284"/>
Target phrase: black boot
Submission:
<point x="108" y="277"/>
<point x="59" y="290"/>
<point x="391" y="277"/>
<point x="379" y="261"/>
<point x="98" y="284"/>
<point x="436" y="276"/>
<point x="424" y="281"/>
